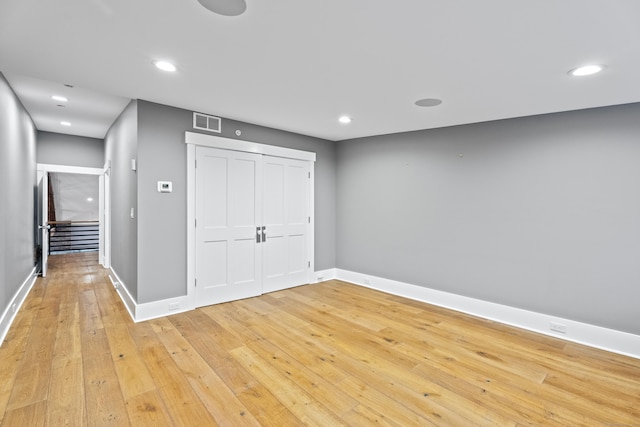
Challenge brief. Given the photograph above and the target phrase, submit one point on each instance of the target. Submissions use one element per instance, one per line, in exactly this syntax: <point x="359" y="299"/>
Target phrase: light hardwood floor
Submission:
<point x="325" y="354"/>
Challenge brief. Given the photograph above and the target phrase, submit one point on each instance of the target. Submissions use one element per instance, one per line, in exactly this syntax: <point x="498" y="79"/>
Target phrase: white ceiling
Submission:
<point x="299" y="65"/>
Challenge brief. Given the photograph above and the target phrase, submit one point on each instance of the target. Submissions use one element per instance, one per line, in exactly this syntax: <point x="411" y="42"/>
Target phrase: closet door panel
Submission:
<point x="228" y="207"/>
<point x="286" y="217"/>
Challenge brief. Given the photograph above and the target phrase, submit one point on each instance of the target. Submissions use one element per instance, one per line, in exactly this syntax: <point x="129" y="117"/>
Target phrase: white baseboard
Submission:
<point x="165" y="307"/>
<point x="14" y="305"/>
<point x="150" y="310"/>
<point x="169" y="306"/>
<point x="582" y="333"/>
<point x="323" y="275"/>
<point x="122" y="290"/>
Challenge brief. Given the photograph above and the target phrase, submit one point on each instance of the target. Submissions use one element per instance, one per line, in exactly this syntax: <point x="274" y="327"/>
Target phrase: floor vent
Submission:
<point x="208" y="123"/>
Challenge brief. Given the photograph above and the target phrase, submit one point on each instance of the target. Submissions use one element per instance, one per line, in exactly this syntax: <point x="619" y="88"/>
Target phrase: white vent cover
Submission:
<point x="208" y="123"/>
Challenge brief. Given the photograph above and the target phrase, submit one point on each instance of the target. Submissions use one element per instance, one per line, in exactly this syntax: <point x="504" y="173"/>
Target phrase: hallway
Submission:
<point x="324" y="354"/>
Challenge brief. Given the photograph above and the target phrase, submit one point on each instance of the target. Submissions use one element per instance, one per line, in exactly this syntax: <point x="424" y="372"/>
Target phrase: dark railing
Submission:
<point x="74" y="236"/>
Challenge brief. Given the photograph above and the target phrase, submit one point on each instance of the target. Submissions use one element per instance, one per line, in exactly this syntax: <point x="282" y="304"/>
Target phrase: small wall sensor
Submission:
<point x="133" y="165"/>
<point x="164" y="187"/>
<point x="238" y="132"/>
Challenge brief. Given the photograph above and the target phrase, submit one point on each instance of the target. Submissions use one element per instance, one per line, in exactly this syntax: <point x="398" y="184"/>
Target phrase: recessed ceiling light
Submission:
<point x="59" y="98"/>
<point x="586" y="70"/>
<point x="428" y="102"/>
<point x="165" y="66"/>
<point x="65" y="123"/>
<point x="225" y="7"/>
<point x="344" y="119"/>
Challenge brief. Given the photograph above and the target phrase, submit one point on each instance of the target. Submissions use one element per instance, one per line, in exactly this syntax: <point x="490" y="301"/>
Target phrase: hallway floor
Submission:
<point x="324" y="354"/>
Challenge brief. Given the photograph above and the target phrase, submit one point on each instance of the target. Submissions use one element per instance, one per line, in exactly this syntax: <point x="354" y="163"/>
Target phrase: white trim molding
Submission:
<point x="582" y="333"/>
<point x="123" y="292"/>
<point x="69" y="169"/>
<point x="324" y="275"/>
<point x="247" y="146"/>
<point x="150" y="310"/>
<point x="14" y="305"/>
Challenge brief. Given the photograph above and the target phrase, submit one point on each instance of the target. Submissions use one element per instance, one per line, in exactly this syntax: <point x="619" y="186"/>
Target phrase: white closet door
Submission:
<point x="228" y="212"/>
<point x="286" y="219"/>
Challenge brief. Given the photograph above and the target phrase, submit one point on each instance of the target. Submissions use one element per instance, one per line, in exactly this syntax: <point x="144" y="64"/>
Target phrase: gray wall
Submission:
<point x="162" y="243"/>
<point x="540" y="213"/>
<point x="121" y="143"/>
<point x="17" y="193"/>
<point x="69" y="150"/>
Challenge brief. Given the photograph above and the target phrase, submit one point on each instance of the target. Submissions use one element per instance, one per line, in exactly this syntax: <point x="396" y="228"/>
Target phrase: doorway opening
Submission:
<point x="72" y="213"/>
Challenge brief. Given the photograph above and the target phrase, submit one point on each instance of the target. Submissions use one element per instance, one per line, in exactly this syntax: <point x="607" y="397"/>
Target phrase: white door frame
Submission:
<point x="192" y="140"/>
<point x="103" y="205"/>
<point x="43" y="219"/>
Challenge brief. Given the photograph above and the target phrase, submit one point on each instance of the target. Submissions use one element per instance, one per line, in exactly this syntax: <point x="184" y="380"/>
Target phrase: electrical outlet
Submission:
<point x="174" y="306"/>
<point x="558" y="327"/>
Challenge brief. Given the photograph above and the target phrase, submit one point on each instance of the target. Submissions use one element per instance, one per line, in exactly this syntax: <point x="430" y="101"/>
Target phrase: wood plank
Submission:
<point x="300" y="403"/>
<point x="133" y="376"/>
<point x="363" y="415"/>
<point x="324" y="354"/>
<point x="15" y="343"/>
<point x="220" y="401"/>
<point x="65" y="405"/>
<point x="213" y="343"/>
<point x="31" y="415"/>
<point x="32" y="379"/>
<point x="104" y="402"/>
<point x="148" y="410"/>
<point x="182" y="402"/>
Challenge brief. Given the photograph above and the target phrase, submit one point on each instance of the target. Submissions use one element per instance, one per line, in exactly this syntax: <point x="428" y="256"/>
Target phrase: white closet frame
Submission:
<point x="192" y="140"/>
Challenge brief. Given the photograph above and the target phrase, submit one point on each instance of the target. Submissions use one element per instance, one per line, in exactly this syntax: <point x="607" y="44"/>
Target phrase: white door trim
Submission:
<point x="247" y="146"/>
<point x="104" y="202"/>
<point x="105" y="230"/>
<point x="69" y="169"/>
<point x="192" y="140"/>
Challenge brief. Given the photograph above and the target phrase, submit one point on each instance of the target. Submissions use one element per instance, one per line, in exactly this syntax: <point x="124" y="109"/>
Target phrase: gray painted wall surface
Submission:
<point x="540" y="213"/>
<point x="17" y="194"/>
<point x="162" y="242"/>
<point x="121" y="144"/>
<point x="69" y="150"/>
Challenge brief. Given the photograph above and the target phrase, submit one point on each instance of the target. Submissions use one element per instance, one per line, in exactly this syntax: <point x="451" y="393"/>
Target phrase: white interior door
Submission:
<point x="286" y="218"/>
<point x="43" y="219"/>
<point x="228" y="208"/>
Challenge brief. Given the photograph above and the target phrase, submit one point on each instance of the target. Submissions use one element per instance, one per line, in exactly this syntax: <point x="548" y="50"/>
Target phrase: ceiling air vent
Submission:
<point x="208" y="123"/>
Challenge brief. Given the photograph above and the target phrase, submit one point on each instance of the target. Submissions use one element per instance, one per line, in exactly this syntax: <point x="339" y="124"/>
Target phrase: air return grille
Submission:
<point x="208" y="123"/>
